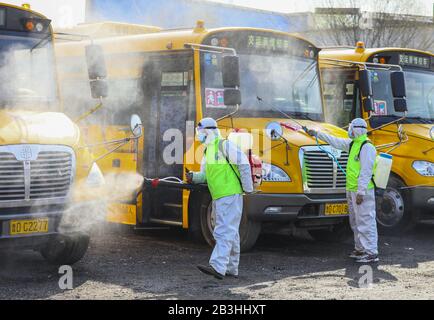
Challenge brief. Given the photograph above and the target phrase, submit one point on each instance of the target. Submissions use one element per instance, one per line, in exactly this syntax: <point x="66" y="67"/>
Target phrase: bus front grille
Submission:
<point x="321" y="173"/>
<point x="49" y="174"/>
<point x="11" y="178"/>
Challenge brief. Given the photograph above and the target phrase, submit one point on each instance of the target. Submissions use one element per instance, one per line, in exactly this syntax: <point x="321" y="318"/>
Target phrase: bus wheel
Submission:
<point x="394" y="209"/>
<point x="66" y="249"/>
<point x="202" y="226"/>
<point x="336" y="233"/>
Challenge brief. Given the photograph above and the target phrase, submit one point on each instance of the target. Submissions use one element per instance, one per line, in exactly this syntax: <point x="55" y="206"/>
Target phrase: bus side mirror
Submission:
<point x="398" y="84"/>
<point x="397" y="80"/>
<point x="136" y="126"/>
<point x="368" y="104"/>
<point x="400" y="105"/>
<point x="232" y="97"/>
<point x="96" y="66"/>
<point x="99" y="89"/>
<point x="231" y="71"/>
<point x="97" y="71"/>
<point x="365" y="83"/>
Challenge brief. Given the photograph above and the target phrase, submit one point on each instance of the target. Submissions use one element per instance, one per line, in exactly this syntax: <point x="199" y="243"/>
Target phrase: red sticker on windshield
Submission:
<point x="380" y="108"/>
<point x="215" y="98"/>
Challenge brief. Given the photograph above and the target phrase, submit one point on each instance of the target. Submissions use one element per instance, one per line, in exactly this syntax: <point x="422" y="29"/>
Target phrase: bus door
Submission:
<point x="169" y="104"/>
<point x="341" y="96"/>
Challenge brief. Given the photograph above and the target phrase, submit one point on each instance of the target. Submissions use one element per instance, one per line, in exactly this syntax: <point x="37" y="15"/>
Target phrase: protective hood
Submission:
<point x="17" y="127"/>
<point x="358" y="127"/>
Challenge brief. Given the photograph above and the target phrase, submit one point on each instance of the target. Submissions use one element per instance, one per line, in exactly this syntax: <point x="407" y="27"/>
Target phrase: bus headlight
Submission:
<point x="272" y="173"/>
<point x="424" y="168"/>
<point x="95" y="177"/>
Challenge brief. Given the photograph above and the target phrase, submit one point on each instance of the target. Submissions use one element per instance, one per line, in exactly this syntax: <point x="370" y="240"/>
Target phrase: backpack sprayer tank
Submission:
<point x="244" y="141"/>
<point x="383" y="169"/>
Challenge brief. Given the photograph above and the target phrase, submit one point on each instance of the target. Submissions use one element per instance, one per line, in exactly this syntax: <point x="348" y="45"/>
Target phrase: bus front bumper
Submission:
<point x="67" y="218"/>
<point x="301" y="208"/>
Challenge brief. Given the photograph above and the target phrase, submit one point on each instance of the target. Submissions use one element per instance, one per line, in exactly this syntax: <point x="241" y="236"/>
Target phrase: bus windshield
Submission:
<point x="26" y="72"/>
<point x="420" y="95"/>
<point x="270" y="85"/>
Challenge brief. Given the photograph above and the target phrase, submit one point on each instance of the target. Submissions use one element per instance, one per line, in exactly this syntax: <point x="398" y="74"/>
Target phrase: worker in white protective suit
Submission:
<point x="360" y="188"/>
<point x="226" y="170"/>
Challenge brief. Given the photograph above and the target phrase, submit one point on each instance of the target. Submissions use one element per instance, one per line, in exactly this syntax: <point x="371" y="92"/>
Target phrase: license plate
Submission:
<point x="336" y="209"/>
<point x="20" y="227"/>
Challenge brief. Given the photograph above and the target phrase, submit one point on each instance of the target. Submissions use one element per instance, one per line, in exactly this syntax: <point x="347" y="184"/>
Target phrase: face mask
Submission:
<point x="201" y="136"/>
<point x="351" y="132"/>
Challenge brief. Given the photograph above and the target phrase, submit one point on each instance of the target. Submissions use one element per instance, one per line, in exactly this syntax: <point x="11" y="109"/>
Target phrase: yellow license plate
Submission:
<point x="20" y="227"/>
<point x="336" y="209"/>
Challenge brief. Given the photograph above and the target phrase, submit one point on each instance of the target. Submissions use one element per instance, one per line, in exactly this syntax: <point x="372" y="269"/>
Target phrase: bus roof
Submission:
<point x="152" y="39"/>
<point x="2" y="4"/>
<point x="361" y="54"/>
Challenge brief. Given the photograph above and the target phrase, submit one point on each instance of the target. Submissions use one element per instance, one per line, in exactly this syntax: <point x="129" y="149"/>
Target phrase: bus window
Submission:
<point x="340" y="96"/>
<point x="268" y="82"/>
<point x="420" y="94"/>
<point x="26" y="73"/>
<point x="419" y="86"/>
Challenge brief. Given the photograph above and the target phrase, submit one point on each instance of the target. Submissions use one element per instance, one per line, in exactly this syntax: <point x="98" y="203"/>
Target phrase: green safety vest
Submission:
<point x="353" y="165"/>
<point x="223" y="179"/>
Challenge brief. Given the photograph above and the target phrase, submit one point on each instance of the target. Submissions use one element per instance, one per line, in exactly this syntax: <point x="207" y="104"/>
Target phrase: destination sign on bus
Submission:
<point x="406" y="59"/>
<point x="414" y="61"/>
<point x="267" y="42"/>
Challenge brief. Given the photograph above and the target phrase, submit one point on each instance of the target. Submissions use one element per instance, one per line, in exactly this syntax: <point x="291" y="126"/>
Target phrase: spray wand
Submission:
<point x="306" y="131"/>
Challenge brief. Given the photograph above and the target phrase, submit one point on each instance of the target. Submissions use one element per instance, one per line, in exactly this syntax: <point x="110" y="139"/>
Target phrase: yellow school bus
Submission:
<point x="48" y="180"/>
<point x="172" y="79"/>
<point x="409" y="198"/>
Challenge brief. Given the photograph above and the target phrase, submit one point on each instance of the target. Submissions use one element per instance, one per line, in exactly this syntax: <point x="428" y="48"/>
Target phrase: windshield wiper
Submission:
<point x="423" y="120"/>
<point x="302" y="115"/>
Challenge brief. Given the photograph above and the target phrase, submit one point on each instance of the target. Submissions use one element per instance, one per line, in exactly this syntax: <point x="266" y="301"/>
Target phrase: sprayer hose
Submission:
<point x="331" y="154"/>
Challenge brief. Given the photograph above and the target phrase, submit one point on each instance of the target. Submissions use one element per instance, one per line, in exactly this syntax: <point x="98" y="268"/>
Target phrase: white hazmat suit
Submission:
<point x="228" y="210"/>
<point x="362" y="217"/>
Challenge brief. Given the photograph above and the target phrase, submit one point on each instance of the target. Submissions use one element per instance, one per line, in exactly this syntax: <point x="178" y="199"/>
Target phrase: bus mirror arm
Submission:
<point x="403" y="138"/>
<point x="389" y="123"/>
<point x="288" y="147"/>
<point x="119" y="144"/>
<point x="210" y="49"/>
<point x="90" y="112"/>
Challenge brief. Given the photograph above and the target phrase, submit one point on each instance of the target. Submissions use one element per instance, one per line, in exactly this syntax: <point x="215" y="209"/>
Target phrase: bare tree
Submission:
<point x="388" y="23"/>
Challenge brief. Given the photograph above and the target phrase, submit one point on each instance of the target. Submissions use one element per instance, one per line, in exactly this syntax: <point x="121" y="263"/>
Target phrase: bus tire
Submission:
<point x="202" y="224"/>
<point x="394" y="214"/>
<point x="337" y="233"/>
<point x="65" y="249"/>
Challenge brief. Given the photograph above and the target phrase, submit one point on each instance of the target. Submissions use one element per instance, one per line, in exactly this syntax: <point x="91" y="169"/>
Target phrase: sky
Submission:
<point x="70" y="12"/>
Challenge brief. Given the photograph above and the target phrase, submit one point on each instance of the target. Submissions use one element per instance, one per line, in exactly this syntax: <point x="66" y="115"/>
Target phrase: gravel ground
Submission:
<point x="161" y="265"/>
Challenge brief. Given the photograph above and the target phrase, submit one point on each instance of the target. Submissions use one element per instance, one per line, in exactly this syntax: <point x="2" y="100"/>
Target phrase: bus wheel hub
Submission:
<point x="390" y="209"/>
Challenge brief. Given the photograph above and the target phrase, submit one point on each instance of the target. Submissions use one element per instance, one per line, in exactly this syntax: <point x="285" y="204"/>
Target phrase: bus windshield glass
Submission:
<point x="26" y="72"/>
<point x="420" y="95"/>
<point x="279" y="75"/>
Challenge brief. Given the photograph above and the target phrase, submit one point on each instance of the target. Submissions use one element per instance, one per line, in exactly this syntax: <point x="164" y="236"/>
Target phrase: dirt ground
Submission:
<point x="162" y="265"/>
